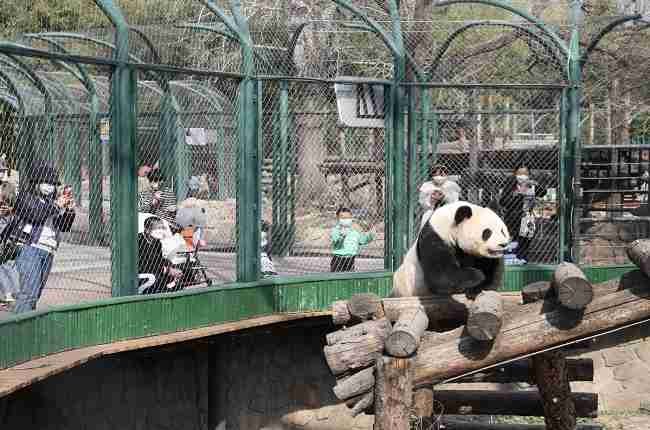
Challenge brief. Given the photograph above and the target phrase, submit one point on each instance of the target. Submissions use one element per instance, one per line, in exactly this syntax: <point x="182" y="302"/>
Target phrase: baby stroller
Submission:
<point x="183" y="256"/>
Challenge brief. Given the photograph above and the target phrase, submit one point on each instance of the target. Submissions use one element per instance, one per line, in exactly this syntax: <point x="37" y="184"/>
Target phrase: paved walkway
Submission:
<point x="83" y="273"/>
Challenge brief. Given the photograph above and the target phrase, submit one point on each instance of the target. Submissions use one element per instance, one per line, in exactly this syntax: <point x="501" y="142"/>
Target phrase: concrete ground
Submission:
<point x="83" y="273"/>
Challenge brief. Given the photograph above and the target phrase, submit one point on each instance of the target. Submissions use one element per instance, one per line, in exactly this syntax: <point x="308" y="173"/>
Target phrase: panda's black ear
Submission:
<point x="462" y="213"/>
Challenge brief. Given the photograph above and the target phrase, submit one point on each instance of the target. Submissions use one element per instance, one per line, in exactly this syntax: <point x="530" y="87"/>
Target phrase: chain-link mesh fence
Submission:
<point x="481" y="136"/>
<point x="615" y="157"/>
<point x="315" y="164"/>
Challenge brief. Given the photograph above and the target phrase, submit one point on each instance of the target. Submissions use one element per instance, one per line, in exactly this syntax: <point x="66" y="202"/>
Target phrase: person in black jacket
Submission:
<point x="517" y="198"/>
<point x="151" y="261"/>
<point x="40" y="217"/>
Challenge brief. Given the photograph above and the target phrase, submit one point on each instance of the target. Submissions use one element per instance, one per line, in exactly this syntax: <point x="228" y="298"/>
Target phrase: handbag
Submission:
<point x="527" y="226"/>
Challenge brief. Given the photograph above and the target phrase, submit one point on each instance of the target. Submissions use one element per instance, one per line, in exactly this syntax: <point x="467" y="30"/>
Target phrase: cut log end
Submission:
<point x="639" y="253"/>
<point x="484" y="326"/>
<point x="340" y="312"/>
<point x="380" y="328"/>
<point x="407" y="332"/>
<point x="571" y="286"/>
<point x="485" y="316"/>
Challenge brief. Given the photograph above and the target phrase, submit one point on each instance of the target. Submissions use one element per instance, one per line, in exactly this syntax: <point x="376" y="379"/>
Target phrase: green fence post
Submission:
<point x="124" y="214"/>
<point x="413" y="154"/>
<point x="281" y="188"/>
<point x="389" y="149"/>
<point x="95" y="176"/>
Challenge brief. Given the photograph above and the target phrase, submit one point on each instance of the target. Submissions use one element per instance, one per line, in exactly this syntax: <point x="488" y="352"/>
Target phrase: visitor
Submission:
<point x="40" y="216"/>
<point x="155" y="272"/>
<point x="266" y="262"/>
<point x="347" y="238"/>
<point x="437" y="192"/>
<point x="158" y="199"/>
<point x="517" y="203"/>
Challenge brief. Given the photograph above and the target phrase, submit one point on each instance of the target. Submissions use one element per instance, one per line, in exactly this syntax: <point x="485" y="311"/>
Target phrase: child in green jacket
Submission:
<point x="346" y="241"/>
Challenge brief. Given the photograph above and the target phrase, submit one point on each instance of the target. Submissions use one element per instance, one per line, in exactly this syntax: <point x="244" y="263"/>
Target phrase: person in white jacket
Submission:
<point x="437" y="192"/>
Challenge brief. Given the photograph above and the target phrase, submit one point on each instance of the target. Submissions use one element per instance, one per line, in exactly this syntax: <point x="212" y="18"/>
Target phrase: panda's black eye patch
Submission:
<point x="487" y="233"/>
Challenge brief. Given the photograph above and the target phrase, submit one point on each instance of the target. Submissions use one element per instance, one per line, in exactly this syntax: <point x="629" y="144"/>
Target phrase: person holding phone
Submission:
<point x="40" y="217"/>
<point x="159" y="199"/>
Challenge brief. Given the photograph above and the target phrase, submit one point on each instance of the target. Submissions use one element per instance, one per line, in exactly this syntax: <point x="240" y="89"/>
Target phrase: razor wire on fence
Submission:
<point x="481" y="91"/>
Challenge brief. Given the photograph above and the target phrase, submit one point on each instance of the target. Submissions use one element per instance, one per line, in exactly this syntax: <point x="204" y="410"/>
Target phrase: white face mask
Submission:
<point x="522" y="178"/>
<point x="438" y="180"/>
<point x="155" y="185"/>
<point x="346" y="222"/>
<point x="46" y="189"/>
<point x="158" y="233"/>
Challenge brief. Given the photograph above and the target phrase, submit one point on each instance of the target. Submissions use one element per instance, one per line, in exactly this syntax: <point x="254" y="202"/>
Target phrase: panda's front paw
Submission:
<point x="473" y="278"/>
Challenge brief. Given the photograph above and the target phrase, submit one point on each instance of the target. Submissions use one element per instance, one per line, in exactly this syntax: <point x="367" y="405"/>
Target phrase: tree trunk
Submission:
<point x="353" y="354"/>
<point x="355" y="385"/>
<point x="485" y="316"/>
<point x="572" y="288"/>
<point x="380" y="328"/>
<point x="393" y="393"/>
<point x="521" y="403"/>
<point x="423" y="402"/>
<point x="437" y="308"/>
<point x="404" y="340"/>
<point x="340" y="312"/>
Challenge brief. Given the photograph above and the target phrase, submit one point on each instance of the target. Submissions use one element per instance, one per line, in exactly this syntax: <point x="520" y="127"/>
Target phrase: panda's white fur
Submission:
<point x="454" y="252"/>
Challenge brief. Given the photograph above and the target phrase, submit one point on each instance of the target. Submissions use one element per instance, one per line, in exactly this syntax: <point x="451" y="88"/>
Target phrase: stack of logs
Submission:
<point x="378" y="364"/>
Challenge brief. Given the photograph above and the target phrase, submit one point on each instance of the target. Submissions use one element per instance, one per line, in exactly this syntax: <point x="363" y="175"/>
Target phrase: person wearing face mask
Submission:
<point x="158" y="200"/>
<point x="347" y="238"/>
<point x="518" y="199"/>
<point x="267" y="266"/>
<point x="156" y="271"/>
<point x="437" y="192"/>
<point x="40" y="217"/>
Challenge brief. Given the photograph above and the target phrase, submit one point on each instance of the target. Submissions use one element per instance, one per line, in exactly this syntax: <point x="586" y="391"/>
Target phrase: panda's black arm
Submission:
<point x="442" y="271"/>
<point x="497" y="276"/>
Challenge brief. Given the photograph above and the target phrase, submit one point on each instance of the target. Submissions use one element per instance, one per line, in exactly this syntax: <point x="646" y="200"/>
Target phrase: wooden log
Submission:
<point x="393" y="393"/>
<point x="639" y="253"/>
<point x="437" y="308"/>
<point x="355" y="385"/>
<point x="353" y="354"/>
<point x="521" y="403"/>
<point x="365" y="306"/>
<point x="553" y="384"/>
<point x="405" y="337"/>
<point x="380" y="328"/>
<point x="541" y="290"/>
<point x="579" y="369"/>
<point x="571" y="286"/>
<point x="530" y="328"/>
<point x="340" y="312"/>
<point x="362" y="403"/>
<point x="451" y="424"/>
<point x="485" y="316"/>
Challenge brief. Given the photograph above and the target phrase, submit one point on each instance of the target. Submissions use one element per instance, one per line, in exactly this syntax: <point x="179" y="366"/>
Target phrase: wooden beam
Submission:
<point x="404" y="340"/>
<point x="580" y="369"/>
<point x="521" y="403"/>
<point x="450" y="424"/>
<point x="532" y="327"/>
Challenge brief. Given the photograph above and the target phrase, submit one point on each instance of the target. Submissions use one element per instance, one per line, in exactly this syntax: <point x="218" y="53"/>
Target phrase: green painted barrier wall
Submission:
<point x="41" y="333"/>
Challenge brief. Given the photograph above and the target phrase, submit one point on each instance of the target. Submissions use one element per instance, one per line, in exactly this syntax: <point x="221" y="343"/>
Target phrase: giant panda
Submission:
<point x="459" y="250"/>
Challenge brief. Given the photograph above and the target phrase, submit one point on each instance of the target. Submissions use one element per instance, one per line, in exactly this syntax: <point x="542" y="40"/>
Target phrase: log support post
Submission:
<point x="393" y="393"/>
<point x="552" y="379"/>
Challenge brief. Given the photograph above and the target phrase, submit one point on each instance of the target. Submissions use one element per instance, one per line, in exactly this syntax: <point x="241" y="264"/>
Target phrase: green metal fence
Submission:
<point x="272" y="111"/>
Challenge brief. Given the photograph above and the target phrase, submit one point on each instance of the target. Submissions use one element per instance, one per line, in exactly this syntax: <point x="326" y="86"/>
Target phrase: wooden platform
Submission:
<point x="28" y="373"/>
